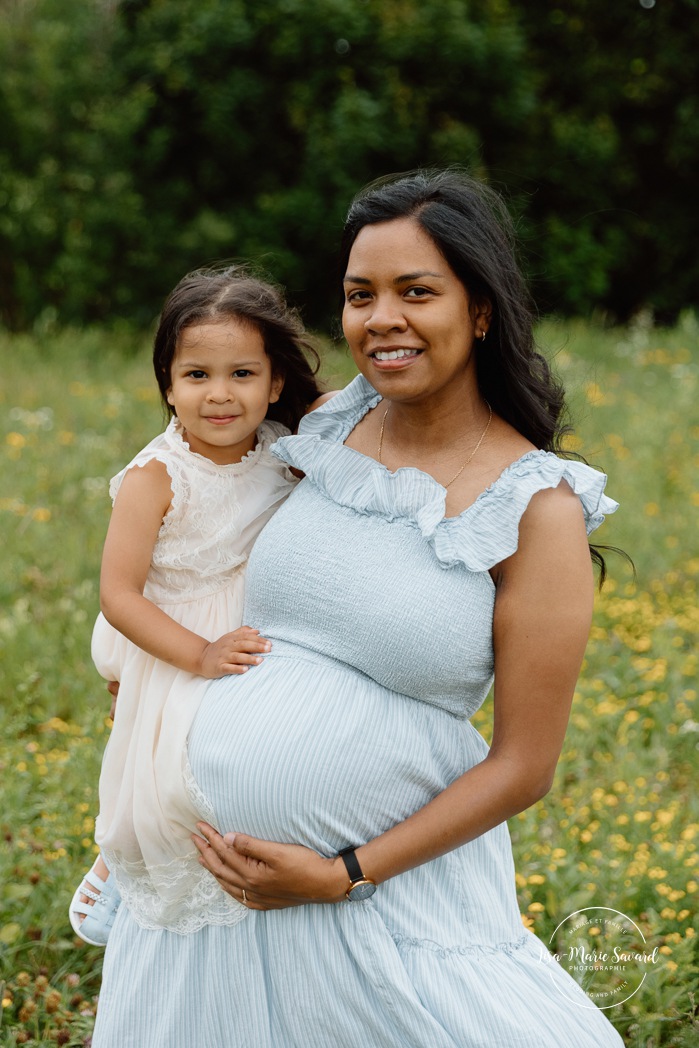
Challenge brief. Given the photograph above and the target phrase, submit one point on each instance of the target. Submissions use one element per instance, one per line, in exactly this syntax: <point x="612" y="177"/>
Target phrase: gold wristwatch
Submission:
<point x="361" y="887"/>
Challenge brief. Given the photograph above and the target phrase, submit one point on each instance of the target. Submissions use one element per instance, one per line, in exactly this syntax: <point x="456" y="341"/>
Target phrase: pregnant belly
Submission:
<point x="304" y="749"/>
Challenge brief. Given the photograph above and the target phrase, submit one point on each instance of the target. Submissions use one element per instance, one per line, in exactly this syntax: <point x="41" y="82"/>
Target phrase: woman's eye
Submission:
<point x="358" y="296"/>
<point x="417" y="292"/>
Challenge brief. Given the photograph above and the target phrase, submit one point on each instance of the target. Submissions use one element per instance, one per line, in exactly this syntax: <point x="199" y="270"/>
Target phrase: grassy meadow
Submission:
<point x="619" y="829"/>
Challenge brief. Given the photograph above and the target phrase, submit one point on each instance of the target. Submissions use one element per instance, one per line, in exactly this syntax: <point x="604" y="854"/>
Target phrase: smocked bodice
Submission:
<point x="361" y="564"/>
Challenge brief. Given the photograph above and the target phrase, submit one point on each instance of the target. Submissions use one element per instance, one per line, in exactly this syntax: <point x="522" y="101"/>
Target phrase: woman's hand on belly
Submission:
<point x="272" y="876"/>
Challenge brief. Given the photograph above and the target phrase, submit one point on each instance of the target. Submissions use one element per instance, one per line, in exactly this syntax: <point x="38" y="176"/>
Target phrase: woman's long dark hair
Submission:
<point x="472" y="228"/>
<point x="209" y="295"/>
<point x="470" y="225"/>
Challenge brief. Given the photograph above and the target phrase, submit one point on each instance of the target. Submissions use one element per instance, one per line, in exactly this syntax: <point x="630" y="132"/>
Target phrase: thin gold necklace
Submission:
<point x="460" y="471"/>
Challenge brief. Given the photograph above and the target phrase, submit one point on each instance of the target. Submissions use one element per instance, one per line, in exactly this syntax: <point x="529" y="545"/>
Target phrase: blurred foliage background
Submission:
<point x="143" y="137"/>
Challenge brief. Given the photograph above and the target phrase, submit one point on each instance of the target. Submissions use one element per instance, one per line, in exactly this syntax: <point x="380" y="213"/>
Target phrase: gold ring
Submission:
<point x="245" y="898"/>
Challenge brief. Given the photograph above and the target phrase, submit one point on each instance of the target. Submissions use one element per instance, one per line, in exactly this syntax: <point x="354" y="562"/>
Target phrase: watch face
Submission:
<point x="362" y="890"/>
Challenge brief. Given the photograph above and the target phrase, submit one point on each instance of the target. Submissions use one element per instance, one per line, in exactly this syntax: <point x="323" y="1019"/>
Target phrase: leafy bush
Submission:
<point x="196" y="130"/>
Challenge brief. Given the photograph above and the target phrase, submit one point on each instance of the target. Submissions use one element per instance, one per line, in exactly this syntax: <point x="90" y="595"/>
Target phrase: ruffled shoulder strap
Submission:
<point x="480" y="537"/>
<point x="336" y="418"/>
<point x="488" y="531"/>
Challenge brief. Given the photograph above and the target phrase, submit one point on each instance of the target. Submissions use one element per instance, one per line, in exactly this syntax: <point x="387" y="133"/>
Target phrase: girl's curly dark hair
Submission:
<point x="207" y="295"/>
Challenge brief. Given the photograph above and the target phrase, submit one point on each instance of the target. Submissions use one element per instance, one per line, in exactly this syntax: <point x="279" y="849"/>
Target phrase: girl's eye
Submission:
<point x="196" y="374"/>
<point x="241" y="373"/>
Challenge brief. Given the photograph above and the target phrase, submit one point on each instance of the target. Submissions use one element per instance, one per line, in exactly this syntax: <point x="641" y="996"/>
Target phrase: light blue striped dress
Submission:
<point x="380" y="615"/>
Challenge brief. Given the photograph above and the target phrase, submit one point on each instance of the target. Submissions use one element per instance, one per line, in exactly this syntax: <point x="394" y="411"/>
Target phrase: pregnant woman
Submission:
<point x="346" y="799"/>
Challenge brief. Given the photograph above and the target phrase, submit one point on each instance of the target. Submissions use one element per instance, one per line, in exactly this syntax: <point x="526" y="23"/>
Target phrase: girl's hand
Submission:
<point x="233" y="653"/>
<point x="272" y="875"/>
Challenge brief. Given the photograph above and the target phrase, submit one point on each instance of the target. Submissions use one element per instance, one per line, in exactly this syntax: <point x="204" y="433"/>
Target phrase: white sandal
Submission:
<point x="98" y="916"/>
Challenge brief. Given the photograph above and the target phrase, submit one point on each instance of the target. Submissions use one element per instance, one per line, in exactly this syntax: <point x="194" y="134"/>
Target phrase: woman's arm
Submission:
<point x="140" y="506"/>
<point x="543" y="610"/>
<point x="541" y="623"/>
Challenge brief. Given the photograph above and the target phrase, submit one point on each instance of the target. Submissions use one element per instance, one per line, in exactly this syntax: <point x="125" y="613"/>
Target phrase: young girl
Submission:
<point x="230" y="364"/>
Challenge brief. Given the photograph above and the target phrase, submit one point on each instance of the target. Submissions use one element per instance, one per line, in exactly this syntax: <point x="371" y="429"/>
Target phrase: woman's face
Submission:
<point x="408" y="319"/>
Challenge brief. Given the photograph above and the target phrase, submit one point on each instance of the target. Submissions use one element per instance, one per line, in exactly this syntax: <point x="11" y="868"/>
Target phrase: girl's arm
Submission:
<point x="541" y="623"/>
<point x="140" y="506"/>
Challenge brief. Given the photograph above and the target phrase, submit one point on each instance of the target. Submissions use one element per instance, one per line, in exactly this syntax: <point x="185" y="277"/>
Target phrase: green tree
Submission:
<point x="69" y="209"/>
<point x="613" y="154"/>
<point x="198" y="129"/>
<point x="141" y="138"/>
<point x="267" y="117"/>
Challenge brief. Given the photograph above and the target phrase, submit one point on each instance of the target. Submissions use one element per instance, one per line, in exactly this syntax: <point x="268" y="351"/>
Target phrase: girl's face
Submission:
<point x="409" y="321"/>
<point x="221" y="384"/>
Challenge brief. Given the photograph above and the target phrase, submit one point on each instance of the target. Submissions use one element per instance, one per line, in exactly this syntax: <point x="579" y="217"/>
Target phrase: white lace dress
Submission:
<point x="148" y="800"/>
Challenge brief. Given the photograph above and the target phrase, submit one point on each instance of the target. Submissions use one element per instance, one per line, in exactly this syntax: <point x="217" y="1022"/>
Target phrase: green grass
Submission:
<point x="620" y="827"/>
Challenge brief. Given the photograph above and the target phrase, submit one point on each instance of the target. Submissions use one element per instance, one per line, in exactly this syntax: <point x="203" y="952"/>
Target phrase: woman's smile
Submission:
<point x="394" y="358"/>
<point x="408" y="320"/>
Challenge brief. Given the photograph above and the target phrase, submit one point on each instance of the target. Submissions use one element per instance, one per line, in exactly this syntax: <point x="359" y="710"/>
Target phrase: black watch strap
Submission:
<point x="349" y="857"/>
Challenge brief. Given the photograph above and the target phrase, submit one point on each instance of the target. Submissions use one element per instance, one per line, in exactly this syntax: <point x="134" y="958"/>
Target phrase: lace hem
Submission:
<point x="185" y="899"/>
<point x="179" y="896"/>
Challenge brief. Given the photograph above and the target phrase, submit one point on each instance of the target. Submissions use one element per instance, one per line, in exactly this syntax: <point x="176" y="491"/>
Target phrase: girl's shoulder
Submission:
<point x="149" y="485"/>
<point x="156" y="455"/>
